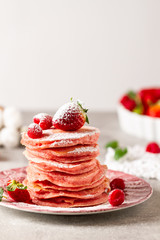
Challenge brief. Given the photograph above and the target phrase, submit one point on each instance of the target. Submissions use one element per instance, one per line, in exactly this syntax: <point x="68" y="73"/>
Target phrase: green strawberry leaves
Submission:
<point x="1" y="193"/>
<point x="112" y="144"/>
<point x="11" y="187"/>
<point x="87" y="120"/>
<point x="119" y="152"/>
<point x="14" y="184"/>
<point x="84" y="110"/>
<point x="132" y="95"/>
<point x="138" y="109"/>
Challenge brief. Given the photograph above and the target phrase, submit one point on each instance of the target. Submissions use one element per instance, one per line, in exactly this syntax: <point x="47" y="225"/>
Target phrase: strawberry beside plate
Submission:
<point x="136" y="191"/>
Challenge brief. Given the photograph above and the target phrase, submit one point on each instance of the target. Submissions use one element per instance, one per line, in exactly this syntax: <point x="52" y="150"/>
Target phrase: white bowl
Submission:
<point x="141" y="126"/>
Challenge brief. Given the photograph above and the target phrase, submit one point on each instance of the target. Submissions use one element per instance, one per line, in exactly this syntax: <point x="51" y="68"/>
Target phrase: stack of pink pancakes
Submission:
<point x="63" y="170"/>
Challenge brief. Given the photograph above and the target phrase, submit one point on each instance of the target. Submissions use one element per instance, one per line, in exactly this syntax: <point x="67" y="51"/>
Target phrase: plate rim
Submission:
<point x="79" y="210"/>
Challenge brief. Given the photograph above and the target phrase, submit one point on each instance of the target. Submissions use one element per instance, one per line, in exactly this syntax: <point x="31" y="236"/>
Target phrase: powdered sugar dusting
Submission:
<point x="61" y="143"/>
<point x="35" y="126"/>
<point x="48" y="134"/>
<point x="51" y="135"/>
<point x="40" y="115"/>
<point x="65" y="111"/>
<point x="54" y="163"/>
<point x="84" y="149"/>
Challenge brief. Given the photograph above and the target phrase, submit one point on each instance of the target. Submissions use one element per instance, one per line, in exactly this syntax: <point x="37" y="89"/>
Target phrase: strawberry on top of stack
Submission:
<point x="63" y="170"/>
<point x="145" y="102"/>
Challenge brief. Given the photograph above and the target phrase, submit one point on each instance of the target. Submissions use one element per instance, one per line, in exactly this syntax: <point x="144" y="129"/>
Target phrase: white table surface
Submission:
<point x="140" y="222"/>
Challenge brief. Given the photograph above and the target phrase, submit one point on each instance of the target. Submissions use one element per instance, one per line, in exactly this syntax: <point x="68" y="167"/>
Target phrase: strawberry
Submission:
<point x="154" y="110"/>
<point x="128" y="103"/>
<point x="17" y="191"/>
<point x="149" y="96"/>
<point x="153" y="148"/>
<point x="70" y="117"/>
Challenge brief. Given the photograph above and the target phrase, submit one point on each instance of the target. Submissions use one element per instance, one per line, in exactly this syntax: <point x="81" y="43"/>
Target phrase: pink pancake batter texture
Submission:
<point x="63" y="170"/>
<point x="53" y="138"/>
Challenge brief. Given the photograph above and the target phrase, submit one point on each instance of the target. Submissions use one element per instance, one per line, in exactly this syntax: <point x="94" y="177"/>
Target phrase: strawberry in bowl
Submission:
<point x="131" y="101"/>
<point x="149" y="97"/>
<point x="139" y="113"/>
<point x="154" y="110"/>
<point x="145" y="101"/>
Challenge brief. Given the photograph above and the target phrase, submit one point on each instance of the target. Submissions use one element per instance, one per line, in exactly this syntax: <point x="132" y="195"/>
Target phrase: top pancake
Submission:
<point x="53" y="138"/>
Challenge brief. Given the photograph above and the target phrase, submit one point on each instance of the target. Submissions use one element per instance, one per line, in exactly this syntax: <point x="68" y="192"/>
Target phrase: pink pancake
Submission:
<point x="84" y="194"/>
<point x="69" y="160"/>
<point x="71" y="168"/>
<point x="48" y="185"/>
<point x="63" y="170"/>
<point x="67" y="180"/>
<point x="53" y="138"/>
<point x="67" y="202"/>
<point x="67" y="154"/>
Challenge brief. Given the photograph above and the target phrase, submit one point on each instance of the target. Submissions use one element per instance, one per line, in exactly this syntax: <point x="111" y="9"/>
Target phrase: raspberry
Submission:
<point x="34" y="131"/>
<point x="44" y="120"/>
<point x="117" y="183"/>
<point x="116" y="197"/>
<point x="153" y="148"/>
<point x="128" y="103"/>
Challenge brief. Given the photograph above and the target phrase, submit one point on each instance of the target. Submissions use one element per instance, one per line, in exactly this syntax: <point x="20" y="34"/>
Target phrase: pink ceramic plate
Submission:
<point x="137" y="191"/>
